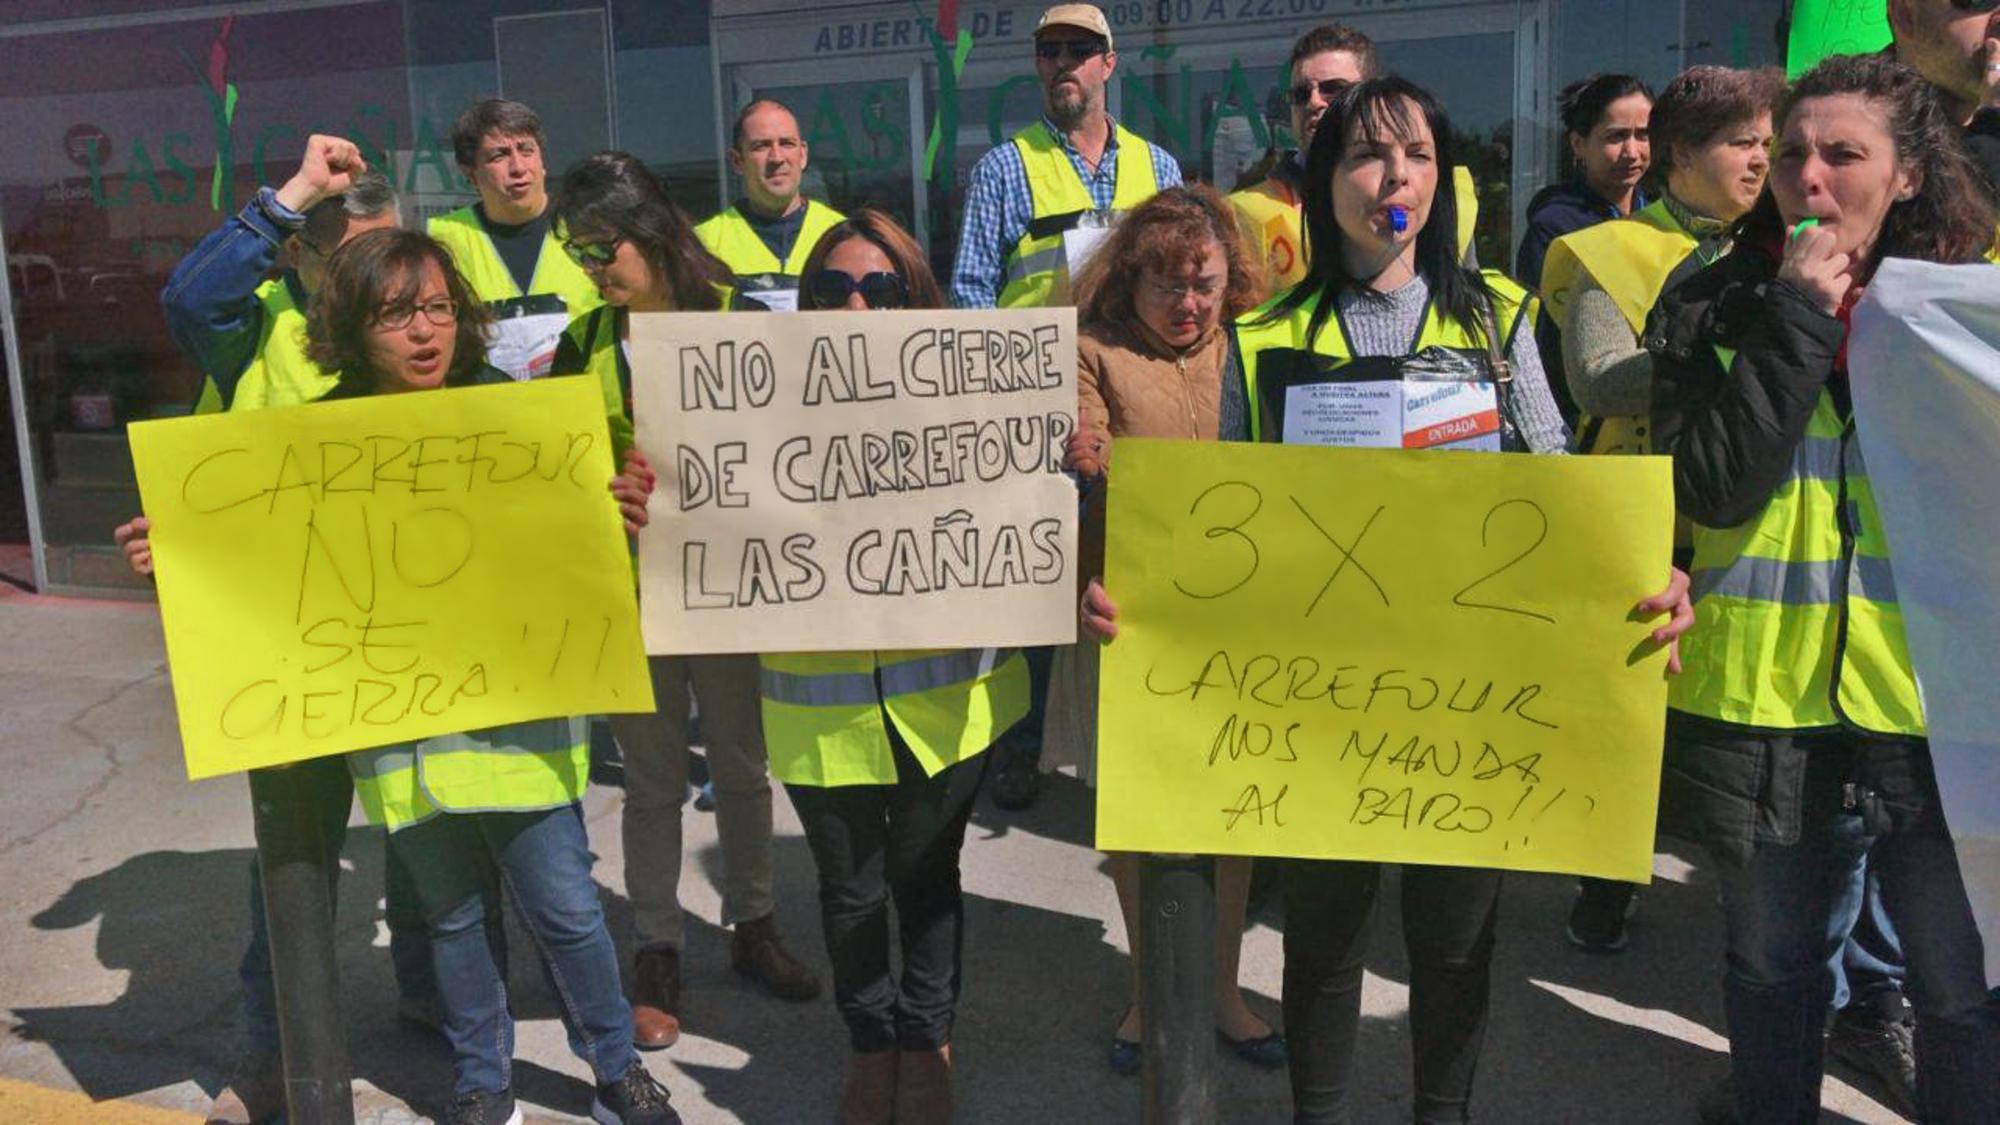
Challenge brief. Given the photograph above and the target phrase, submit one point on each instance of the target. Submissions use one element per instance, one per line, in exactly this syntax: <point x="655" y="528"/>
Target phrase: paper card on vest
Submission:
<point x="784" y="299"/>
<point x="1464" y="416"/>
<point x="857" y="480"/>
<point x="1366" y="415"/>
<point x="1391" y="655"/>
<point x="344" y="575"/>
<point x="524" y="344"/>
<point x="1082" y="240"/>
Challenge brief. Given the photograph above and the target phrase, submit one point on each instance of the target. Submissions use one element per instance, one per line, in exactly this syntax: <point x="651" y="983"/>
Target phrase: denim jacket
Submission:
<point x="211" y="297"/>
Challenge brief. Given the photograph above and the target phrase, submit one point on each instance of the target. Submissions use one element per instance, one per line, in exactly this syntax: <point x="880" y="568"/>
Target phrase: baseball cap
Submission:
<point x="1088" y="17"/>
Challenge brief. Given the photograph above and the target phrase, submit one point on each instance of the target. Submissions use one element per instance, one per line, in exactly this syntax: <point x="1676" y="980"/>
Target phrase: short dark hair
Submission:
<point x="1582" y="103"/>
<point x="615" y="193"/>
<point x="1702" y="101"/>
<point x="492" y="115"/>
<point x="742" y="115"/>
<point x="380" y="269"/>
<point x="1950" y="219"/>
<point x="1336" y="37"/>
<point x="894" y="242"/>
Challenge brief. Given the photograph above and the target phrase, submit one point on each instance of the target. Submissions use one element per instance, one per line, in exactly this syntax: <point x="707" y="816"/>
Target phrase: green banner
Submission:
<point x="1824" y="28"/>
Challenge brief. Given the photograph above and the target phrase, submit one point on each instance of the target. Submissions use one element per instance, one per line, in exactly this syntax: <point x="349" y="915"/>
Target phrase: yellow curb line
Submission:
<point x="23" y="1103"/>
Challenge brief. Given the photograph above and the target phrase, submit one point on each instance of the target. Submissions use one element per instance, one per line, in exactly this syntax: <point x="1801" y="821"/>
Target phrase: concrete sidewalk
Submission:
<point x="124" y="912"/>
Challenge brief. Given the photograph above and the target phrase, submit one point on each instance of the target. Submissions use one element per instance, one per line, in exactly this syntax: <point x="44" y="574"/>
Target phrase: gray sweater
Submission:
<point x="1384" y="324"/>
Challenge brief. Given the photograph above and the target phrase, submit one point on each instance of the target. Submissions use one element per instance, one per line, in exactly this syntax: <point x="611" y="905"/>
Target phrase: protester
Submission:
<point x="1955" y="45"/>
<point x="1710" y="131"/>
<point x="619" y="224"/>
<point x="1151" y="357"/>
<point x="248" y="337"/>
<point x="504" y="245"/>
<point x="1397" y="289"/>
<point x="882" y="754"/>
<point x="1796" y="738"/>
<point x="1034" y="209"/>
<point x="392" y="316"/>
<point x="764" y="237"/>
<point x="1604" y="120"/>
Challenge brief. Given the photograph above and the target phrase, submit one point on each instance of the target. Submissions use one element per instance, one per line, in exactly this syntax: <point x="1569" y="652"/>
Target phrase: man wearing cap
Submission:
<point x="1955" y="45"/>
<point x="1039" y="203"/>
<point x="765" y="237"/>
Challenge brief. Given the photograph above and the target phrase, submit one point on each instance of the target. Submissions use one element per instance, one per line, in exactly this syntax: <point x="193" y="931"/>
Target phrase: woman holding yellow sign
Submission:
<point x="393" y="317"/>
<point x="1796" y="742"/>
<point x="1389" y="342"/>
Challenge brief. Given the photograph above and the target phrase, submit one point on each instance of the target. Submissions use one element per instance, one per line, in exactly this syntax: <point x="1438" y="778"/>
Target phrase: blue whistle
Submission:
<point x="1399" y="219"/>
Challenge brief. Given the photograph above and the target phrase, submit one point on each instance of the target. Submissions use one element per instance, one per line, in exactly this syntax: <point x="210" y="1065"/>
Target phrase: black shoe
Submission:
<point x="636" y="1099"/>
<point x="1266" y="1051"/>
<point x="1597" y="920"/>
<point x="1718" y="1103"/>
<point x="1884" y="1049"/>
<point x="483" y="1109"/>
<point x="1017" y="779"/>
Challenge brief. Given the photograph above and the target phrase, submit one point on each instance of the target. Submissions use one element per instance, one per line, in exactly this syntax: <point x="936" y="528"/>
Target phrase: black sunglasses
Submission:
<point x="1329" y="88"/>
<point x="1980" y="7"/>
<point x="881" y="289"/>
<point x="592" y="253"/>
<point x="1079" y="50"/>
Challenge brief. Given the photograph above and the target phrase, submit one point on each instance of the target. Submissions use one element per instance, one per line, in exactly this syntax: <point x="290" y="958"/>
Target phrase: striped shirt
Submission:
<point x="998" y="208"/>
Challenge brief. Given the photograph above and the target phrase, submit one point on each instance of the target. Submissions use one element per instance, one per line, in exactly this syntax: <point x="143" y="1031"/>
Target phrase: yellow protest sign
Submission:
<point x="351" y="574"/>
<point x="1423" y="657"/>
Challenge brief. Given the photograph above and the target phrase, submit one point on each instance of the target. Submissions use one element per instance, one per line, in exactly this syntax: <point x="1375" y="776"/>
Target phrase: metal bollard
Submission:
<point x="293" y="855"/>
<point x="1177" y="987"/>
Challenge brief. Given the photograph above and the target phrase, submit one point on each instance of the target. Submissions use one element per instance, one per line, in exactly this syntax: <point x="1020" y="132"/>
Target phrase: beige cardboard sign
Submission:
<point x="851" y="480"/>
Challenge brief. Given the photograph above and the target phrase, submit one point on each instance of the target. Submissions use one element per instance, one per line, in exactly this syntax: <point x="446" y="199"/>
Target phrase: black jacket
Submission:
<point x="1982" y="139"/>
<point x="1732" y="433"/>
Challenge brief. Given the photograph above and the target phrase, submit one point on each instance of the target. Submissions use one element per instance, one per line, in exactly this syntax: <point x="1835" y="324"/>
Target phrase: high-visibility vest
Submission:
<point x="1036" y="271"/>
<point x="1283" y="341"/>
<point x="520" y="767"/>
<point x="594" y="336"/>
<point x="1796" y="620"/>
<point x="1272" y="217"/>
<point x="823" y="711"/>
<point x="729" y="236"/>
<point x="1630" y="259"/>
<point x="479" y="262"/>
<point x="279" y="374"/>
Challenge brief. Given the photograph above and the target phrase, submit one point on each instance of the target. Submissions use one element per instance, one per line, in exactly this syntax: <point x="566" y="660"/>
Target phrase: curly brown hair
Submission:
<point x="1165" y="234"/>
<point x="382" y="270"/>
<point x="1702" y="101"/>
<point x="1950" y="218"/>
<point x="888" y="237"/>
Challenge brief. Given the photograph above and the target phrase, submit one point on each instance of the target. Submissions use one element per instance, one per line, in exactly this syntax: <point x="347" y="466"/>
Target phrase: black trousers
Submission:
<point x="873" y="843"/>
<point x="1448" y="915"/>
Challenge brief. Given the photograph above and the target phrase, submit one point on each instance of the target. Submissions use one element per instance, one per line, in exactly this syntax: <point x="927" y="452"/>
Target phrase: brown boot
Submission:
<point x="923" y="1087"/>
<point x="868" y="1095"/>
<point x="756" y="953"/>
<point x="656" y="997"/>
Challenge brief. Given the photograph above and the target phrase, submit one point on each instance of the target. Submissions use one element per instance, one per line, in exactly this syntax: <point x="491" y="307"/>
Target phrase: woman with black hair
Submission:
<point x="615" y="219"/>
<point x="1797" y="740"/>
<point x="1386" y="301"/>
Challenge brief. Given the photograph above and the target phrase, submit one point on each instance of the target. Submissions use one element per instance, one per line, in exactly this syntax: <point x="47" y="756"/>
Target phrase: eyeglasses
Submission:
<point x="588" y="254"/>
<point x="442" y="313"/>
<point x="1329" y="88"/>
<point x="881" y="289"/>
<point x="1979" y="7"/>
<point x="1204" y="290"/>
<point x="1078" y="50"/>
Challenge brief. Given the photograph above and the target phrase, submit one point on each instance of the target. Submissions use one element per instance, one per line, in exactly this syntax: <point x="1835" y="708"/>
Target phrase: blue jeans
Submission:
<point x="1868" y="970"/>
<point x="332" y="794"/>
<point x="544" y="863"/>
<point x="1778" y="907"/>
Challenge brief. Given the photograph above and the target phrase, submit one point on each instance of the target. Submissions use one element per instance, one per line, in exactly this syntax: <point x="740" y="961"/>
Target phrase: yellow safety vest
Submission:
<point x="279" y="374"/>
<point x="1272" y="217"/>
<point x="729" y="236"/>
<point x="594" y="336"/>
<point x="823" y="710"/>
<point x="1796" y="620"/>
<point x="520" y="767"/>
<point x="1258" y="344"/>
<point x="1036" y="271"/>
<point x="478" y="261"/>
<point x="1630" y="259"/>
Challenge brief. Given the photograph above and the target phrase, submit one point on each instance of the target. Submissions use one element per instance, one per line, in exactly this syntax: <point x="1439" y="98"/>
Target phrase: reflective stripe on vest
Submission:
<point x="279" y="372"/>
<point x="479" y="262"/>
<point x="826" y="714"/>
<point x="1797" y="625"/>
<point x="729" y="236"/>
<point x="520" y="767"/>
<point x="1036" y="271"/>
<point x="1286" y="337"/>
